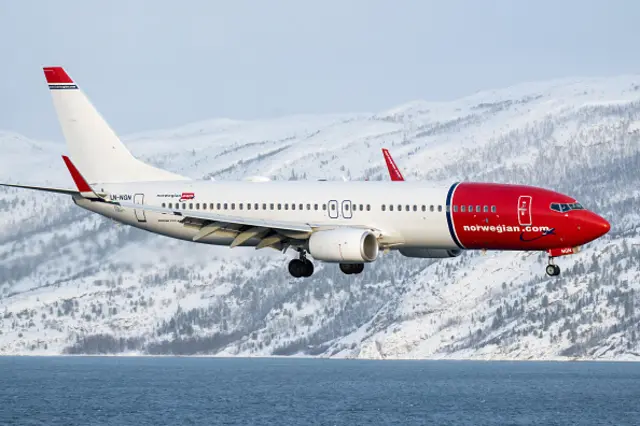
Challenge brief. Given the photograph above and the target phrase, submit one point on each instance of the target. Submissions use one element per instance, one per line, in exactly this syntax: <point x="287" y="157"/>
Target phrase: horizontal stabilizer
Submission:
<point x="43" y="188"/>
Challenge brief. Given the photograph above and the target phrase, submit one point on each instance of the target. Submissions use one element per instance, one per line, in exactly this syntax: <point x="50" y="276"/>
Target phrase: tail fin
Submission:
<point x="93" y="145"/>
<point x="394" y="171"/>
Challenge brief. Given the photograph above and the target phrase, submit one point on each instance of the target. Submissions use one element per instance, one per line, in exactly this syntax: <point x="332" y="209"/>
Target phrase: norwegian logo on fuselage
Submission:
<point x="187" y="196"/>
<point x="120" y="197"/>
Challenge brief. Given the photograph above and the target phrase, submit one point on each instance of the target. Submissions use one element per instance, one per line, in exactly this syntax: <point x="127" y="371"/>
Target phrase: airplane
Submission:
<point x="348" y="223"/>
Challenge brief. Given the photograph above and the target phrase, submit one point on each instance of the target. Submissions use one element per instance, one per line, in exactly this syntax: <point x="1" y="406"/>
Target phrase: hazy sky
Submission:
<point x="157" y="64"/>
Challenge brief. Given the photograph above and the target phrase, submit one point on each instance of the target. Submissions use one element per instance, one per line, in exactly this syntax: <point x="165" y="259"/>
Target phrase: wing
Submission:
<point x="276" y="234"/>
<point x="43" y="188"/>
<point x="272" y="233"/>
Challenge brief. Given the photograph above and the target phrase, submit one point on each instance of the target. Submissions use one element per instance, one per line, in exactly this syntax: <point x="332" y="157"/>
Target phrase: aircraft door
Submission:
<point x="346" y="209"/>
<point x="333" y="209"/>
<point x="139" y="199"/>
<point x="524" y="210"/>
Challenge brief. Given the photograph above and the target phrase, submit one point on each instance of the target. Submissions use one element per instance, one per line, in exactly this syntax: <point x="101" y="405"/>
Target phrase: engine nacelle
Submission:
<point x="344" y="245"/>
<point x="426" y="253"/>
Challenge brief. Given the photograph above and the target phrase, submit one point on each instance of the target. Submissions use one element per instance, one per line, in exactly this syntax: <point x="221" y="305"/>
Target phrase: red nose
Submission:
<point x="593" y="226"/>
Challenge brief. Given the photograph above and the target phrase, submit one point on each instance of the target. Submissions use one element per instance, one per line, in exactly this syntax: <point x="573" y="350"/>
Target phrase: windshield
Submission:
<point x="565" y="207"/>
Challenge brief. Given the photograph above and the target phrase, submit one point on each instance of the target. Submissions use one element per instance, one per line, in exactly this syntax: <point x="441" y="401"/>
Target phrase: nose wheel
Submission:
<point x="301" y="267"/>
<point x="552" y="269"/>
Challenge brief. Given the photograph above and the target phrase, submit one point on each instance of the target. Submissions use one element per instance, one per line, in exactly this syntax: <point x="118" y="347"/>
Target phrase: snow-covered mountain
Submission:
<point x="73" y="282"/>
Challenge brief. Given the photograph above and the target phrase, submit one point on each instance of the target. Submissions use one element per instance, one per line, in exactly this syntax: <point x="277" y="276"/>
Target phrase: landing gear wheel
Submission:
<point x="296" y="268"/>
<point x="352" y="268"/>
<point x="553" y="270"/>
<point x="308" y="268"/>
<point x="301" y="267"/>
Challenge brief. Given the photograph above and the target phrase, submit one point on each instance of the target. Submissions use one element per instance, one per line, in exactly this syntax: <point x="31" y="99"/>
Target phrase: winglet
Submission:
<point x="394" y="171"/>
<point x="81" y="183"/>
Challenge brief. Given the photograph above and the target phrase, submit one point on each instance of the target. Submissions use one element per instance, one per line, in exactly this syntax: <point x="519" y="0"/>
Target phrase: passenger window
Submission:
<point x="424" y="208"/>
<point x="233" y="206"/>
<point x="256" y="206"/>
<point x="486" y="209"/>
<point x="197" y="206"/>
<point x="346" y="207"/>
<point x="286" y="206"/>
<point x="493" y="209"/>
<point x="470" y="209"/>
<point x="163" y="205"/>
<point x="415" y="208"/>
<point x="384" y="208"/>
<point x="300" y="206"/>
<point x="271" y="206"/>
<point x="477" y="209"/>
<point x="264" y="206"/>
<point x="399" y="207"/>
<point x="315" y="207"/>
<point x="333" y="207"/>
<point x="324" y="207"/>
<point x="368" y="207"/>
<point x="248" y="206"/>
<point x="439" y="208"/>
<point x="204" y="206"/>
<point x="361" y="207"/>
<point x="225" y="206"/>
<point x="170" y="205"/>
<point x="240" y="206"/>
<point x="293" y="206"/>
<point x="308" y="206"/>
<point x="279" y="206"/>
<point x="184" y="206"/>
<point x="407" y="208"/>
<point x="390" y="207"/>
<point x="218" y="206"/>
<point x="463" y="208"/>
<point x="455" y="209"/>
<point x="190" y="206"/>
<point x="211" y="206"/>
<point x="431" y="208"/>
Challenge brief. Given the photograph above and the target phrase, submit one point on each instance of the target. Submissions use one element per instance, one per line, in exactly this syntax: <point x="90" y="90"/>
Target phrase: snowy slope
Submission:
<point x="73" y="282"/>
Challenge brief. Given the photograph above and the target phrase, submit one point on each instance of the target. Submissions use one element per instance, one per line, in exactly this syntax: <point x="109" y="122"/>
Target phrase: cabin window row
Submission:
<point x="258" y="206"/>
<point x="439" y="208"/>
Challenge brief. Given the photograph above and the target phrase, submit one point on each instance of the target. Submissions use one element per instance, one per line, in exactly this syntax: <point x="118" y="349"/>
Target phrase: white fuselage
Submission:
<point x="320" y="204"/>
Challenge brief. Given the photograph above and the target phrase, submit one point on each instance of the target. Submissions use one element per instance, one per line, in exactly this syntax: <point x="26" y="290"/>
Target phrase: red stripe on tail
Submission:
<point x="56" y="75"/>
<point x="82" y="184"/>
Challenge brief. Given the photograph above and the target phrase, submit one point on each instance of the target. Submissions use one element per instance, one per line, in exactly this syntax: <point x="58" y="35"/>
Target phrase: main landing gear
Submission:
<point x="352" y="268"/>
<point x="552" y="269"/>
<point x="301" y="267"/>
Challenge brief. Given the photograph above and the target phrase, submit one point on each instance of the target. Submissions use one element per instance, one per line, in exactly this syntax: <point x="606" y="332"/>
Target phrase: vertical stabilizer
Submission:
<point x="93" y="145"/>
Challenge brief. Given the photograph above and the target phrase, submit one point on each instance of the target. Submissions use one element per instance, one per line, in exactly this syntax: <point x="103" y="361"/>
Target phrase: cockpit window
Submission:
<point x="565" y="207"/>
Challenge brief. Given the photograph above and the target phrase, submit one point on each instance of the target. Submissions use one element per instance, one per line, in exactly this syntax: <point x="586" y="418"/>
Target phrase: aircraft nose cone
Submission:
<point x="594" y="226"/>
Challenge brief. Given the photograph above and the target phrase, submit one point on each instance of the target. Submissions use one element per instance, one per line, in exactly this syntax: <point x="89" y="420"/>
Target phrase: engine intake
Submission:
<point x="426" y="253"/>
<point x="344" y="245"/>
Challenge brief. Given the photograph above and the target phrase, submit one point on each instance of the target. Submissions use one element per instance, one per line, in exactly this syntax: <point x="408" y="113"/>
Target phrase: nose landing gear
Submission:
<point x="552" y="269"/>
<point x="301" y="267"/>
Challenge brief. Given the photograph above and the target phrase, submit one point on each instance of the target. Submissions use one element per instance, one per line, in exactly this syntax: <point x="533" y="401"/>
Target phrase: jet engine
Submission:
<point x="426" y="253"/>
<point x="344" y="245"/>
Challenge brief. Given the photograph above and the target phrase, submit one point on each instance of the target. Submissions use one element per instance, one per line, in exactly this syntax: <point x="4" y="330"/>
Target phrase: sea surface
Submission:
<point x="284" y="391"/>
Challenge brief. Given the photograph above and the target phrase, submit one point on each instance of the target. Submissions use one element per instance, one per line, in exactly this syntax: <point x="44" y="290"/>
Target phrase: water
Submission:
<point x="194" y="391"/>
